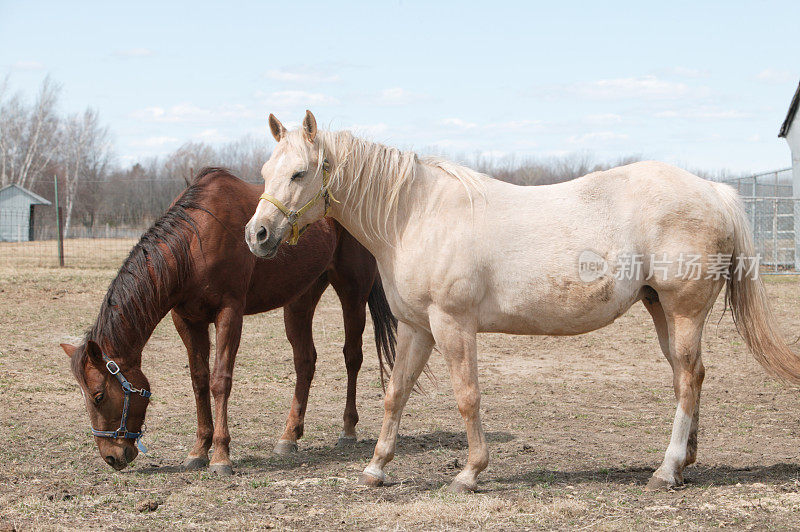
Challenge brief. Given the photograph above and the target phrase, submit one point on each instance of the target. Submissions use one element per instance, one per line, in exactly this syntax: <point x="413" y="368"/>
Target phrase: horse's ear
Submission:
<point x="309" y="126"/>
<point x="277" y="129"/>
<point x="69" y="349"/>
<point x="95" y="354"/>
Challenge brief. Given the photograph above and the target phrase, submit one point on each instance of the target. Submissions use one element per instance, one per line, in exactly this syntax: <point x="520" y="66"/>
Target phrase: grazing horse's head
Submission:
<point x="295" y="188"/>
<point x="102" y="383"/>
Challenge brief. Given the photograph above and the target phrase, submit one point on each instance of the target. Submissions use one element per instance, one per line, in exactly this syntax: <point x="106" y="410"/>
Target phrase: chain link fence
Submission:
<point x="772" y="211"/>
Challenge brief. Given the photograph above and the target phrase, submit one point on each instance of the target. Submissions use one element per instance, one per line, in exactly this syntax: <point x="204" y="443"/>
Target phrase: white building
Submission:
<point x="17" y="213"/>
<point x="790" y="130"/>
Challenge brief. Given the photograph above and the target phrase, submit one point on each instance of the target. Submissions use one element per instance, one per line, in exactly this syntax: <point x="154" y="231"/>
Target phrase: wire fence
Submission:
<point x="772" y="212"/>
<point x="773" y="223"/>
<point x="774" y="184"/>
<point x="109" y="220"/>
<point x="99" y="227"/>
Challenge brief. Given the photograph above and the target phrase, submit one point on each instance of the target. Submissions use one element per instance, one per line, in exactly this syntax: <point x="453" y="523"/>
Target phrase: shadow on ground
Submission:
<point x="694" y="476"/>
<point x="362" y="450"/>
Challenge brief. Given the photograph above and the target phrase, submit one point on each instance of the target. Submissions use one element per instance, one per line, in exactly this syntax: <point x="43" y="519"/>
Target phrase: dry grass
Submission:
<point x="103" y="253"/>
<point x="575" y="427"/>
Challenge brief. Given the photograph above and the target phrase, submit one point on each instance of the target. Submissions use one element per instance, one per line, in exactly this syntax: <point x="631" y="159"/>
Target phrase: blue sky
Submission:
<point x="701" y="84"/>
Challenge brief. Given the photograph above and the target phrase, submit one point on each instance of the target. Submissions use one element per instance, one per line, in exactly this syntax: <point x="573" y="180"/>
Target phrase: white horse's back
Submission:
<point x="528" y="245"/>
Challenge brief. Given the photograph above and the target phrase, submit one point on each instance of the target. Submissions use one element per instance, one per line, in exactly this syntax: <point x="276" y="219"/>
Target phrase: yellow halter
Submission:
<point x="294" y="216"/>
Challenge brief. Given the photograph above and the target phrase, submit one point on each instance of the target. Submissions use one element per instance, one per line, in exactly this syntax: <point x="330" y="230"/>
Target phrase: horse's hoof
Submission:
<point x="365" y="479"/>
<point x="193" y="464"/>
<point x="285" y="448"/>
<point x="346" y="441"/>
<point x="460" y="487"/>
<point x="222" y="470"/>
<point x="658" y="484"/>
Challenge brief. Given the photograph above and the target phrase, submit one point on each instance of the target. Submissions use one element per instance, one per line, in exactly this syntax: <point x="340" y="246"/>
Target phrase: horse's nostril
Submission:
<point x="110" y="460"/>
<point x="261" y="235"/>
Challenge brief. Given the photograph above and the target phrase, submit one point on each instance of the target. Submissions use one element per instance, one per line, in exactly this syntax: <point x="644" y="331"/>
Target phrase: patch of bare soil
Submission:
<point x="576" y="426"/>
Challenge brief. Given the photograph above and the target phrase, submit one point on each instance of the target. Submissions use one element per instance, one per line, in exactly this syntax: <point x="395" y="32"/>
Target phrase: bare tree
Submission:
<point x="244" y="157"/>
<point x="28" y="135"/>
<point x="85" y="156"/>
<point x="187" y="159"/>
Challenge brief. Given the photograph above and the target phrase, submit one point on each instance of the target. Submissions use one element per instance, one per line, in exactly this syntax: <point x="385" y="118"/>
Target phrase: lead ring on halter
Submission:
<point x="128" y="389"/>
<point x="294" y="216"/>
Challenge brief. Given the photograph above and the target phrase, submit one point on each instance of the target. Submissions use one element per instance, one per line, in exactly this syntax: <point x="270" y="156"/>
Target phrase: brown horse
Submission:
<point x="194" y="262"/>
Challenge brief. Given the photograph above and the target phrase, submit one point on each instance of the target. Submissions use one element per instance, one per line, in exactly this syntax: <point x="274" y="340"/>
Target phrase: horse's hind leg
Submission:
<point x="229" y="333"/>
<point x="298" y="317"/>
<point x="353" y="297"/>
<point x="684" y="332"/>
<point x="195" y="338"/>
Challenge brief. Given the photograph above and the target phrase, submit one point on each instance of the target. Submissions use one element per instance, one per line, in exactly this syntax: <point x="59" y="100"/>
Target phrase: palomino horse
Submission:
<point x="193" y="261"/>
<point x="461" y="253"/>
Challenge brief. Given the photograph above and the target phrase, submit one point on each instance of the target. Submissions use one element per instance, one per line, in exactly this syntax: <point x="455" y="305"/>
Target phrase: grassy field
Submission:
<point x="576" y="426"/>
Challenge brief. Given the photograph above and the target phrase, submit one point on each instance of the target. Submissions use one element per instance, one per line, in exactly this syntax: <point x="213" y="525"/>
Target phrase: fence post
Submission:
<point x="59" y="225"/>
<point x="775" y="235"/>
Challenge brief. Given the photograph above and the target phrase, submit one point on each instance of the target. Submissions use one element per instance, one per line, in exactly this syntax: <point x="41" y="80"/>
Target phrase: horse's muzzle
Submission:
<point x="117" y="464"/>
<point x="262" y="243"/>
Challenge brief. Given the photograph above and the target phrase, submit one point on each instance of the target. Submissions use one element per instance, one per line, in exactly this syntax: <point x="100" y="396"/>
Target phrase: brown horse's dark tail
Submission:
<point x="385" y="325"/>
<point x="748" y="301"/>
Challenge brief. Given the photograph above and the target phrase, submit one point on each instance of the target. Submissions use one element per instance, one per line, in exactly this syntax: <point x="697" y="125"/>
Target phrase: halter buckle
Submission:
<point x="112" y="367"/>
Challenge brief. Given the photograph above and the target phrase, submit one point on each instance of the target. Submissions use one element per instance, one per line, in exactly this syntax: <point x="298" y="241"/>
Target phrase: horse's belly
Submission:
<point x="561" y="311"/>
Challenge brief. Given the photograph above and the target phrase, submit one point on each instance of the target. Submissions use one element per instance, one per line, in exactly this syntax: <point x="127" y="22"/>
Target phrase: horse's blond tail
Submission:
<point x="747" y="299"/>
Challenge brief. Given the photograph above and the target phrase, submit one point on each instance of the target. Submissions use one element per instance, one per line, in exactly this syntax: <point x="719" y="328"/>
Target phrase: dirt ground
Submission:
<point x="576" y="426"/>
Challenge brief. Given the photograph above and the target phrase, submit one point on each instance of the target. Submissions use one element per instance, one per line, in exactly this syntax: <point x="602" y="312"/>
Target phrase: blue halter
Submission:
<point x="128" y="389"/>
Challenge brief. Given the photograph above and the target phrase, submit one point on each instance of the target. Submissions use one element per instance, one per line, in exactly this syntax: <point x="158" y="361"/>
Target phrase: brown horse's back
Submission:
<point x="224" y="270"/>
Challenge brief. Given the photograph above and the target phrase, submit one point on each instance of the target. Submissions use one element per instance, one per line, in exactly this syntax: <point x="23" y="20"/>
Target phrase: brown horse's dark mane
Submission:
<point x="138" y="297"/>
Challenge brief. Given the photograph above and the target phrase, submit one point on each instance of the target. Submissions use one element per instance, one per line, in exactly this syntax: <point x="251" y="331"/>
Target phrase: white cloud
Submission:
<point x="301" y="75"/>
<point x="702" y="113"/>
<point x="771" y="75"/>
<point x="646" y="87"/>
<point x="688" y="72"/>
<point x="397" y="96"/>
<point x="187" y="112"/>
<point x="369" y="129"/>
<point x="516" y="125"/>
<point x="458" y="123"/>
<point x="754" y="138"/>
<point x="604" y="118"/>
<point x="135" y="52"/>
<point x="153" y="142"/>
<point x="211" y="135"/>
<point x="297" y="98"/>
<point x="597" y="136"/>
<point x="512" y="125"/>
<point x="27" y="65"/>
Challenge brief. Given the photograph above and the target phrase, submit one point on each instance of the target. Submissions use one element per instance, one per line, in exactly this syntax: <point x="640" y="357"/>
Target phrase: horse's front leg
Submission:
<point x="456" y="339"/>
<point x="414" y="347"/>
<point x="298" y="317"/>
<point x="195" y="338"/>
<point x="229" y="332"/>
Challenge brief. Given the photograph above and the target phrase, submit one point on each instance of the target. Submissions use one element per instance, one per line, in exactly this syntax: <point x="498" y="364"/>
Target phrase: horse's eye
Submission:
<point x="99" y="398"/>
<point x="297" y="175"/>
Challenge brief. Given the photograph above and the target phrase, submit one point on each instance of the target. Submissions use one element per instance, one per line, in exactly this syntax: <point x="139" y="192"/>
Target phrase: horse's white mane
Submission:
<point x="373" y="177"/>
